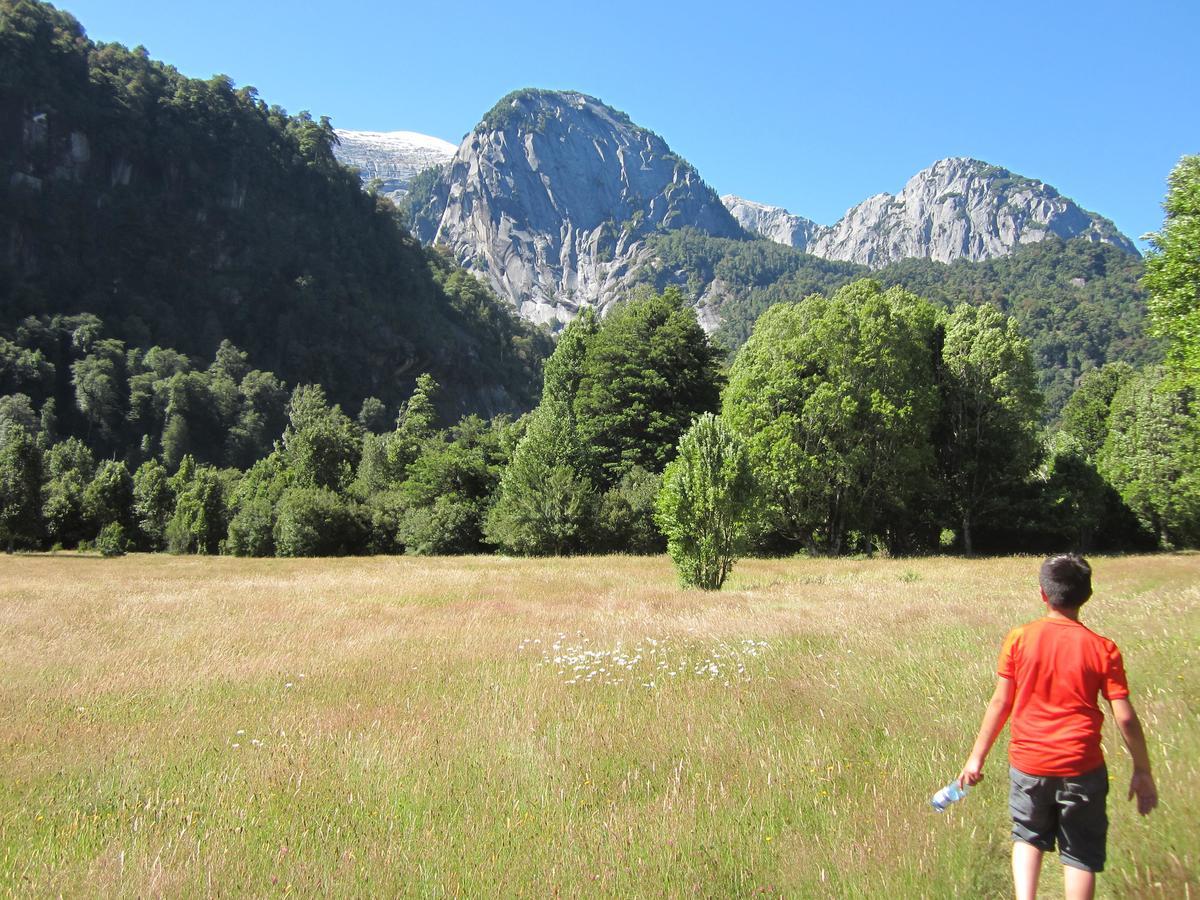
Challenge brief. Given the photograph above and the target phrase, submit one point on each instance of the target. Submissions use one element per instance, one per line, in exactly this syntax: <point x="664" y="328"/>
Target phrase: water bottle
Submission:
<point x="947" y="795"/>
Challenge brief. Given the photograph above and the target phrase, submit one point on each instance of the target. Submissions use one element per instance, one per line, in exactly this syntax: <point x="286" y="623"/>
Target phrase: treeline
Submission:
<point x="183" y="212"/>
<point x="869" y="421"/>
<point x="1079" y="304"/>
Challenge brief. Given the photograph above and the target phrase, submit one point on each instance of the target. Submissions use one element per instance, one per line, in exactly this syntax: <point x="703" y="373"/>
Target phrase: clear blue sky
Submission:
<point x="809" y="106"/>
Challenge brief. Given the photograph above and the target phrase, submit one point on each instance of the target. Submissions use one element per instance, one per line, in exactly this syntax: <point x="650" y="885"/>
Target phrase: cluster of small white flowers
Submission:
<point x="651" y="662"/>
<point x="255" y="742"/>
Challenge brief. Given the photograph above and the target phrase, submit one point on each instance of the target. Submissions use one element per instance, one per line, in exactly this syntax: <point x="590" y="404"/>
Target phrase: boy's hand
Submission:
<point x="972" y="773"/>
<point x="1142" y="786"/>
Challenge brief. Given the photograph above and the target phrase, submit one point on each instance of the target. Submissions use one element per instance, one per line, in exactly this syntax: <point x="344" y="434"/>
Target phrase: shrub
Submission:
<point x="705" y="503"/>
<point x="317" y="522"/>
<point x="111" y="541"/>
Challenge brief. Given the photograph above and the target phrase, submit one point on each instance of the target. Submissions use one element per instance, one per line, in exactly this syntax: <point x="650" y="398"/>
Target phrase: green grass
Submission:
<point x="399" y="730"/>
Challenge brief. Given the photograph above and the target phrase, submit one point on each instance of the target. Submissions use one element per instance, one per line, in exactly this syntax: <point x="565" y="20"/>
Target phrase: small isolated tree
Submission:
<point x="705" y="503"/>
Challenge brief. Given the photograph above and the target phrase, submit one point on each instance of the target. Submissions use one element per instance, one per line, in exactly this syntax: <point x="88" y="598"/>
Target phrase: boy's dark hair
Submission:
<point x="1066" y="581"/>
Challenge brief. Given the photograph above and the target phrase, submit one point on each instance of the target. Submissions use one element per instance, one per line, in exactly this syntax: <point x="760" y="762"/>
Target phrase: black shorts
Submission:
<point x="1067" y="808"/>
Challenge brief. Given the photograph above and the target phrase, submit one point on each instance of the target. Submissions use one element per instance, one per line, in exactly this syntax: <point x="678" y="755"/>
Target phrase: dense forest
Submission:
<point x="1080" y="304"/>
<point x="183" y="213"/>
<point x="212" y="341"/>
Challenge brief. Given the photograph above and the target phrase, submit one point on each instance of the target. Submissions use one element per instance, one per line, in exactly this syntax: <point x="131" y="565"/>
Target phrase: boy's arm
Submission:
<point x="1141" y="784"/>
<point x="994" y="718"/>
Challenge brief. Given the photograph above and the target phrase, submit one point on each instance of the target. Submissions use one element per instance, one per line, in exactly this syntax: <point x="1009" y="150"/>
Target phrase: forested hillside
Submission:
<point x="182" y="212"/>
<point x="1079" y="303"/>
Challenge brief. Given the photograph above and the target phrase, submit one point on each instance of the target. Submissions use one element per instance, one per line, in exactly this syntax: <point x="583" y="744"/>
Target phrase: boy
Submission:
<point x="1050" y="672"/>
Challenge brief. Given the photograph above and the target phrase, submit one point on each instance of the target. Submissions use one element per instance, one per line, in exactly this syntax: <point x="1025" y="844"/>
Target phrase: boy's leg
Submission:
<point x="1035" y="821"/>
<point x="1082" y="831"/>
<point x="1078" y="884"/>
<point x="1026" y="866"/>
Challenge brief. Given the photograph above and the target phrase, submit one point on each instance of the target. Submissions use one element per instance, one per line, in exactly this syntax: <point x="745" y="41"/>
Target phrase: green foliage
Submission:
<point x="1150" y="455"/>
<point x="69" y="468"/>
<point x="321" y="446"/>
<point x="252" y="529"/>
<point x="183" y="212"/>
<point x="20" y="486"/>
<point x="625" y="519"/>
<point x="544" y="504"/>
<point x="1085" y="416"/>
<point x="108" y="498"/>
<point x="836" y="402"/>
<point x="153" y="504"/>
<point x="705" y="502"/>
<point x="646" y="373"/>
<point x="1173" y="270"/>
<point x="198" y="523"/>
<point x="448" y="488"/>
<point x="112" y="541"/>
<point x="1079" y="304"/>
<point x="315" y="521"/>
<point x="990" y="407"/>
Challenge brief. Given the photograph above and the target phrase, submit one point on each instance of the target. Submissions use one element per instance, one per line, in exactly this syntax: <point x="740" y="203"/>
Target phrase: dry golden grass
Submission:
<point x="181" y="726"/>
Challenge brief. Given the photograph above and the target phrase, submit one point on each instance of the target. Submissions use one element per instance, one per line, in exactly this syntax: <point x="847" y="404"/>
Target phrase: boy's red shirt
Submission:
<point x="1058" y="667"/>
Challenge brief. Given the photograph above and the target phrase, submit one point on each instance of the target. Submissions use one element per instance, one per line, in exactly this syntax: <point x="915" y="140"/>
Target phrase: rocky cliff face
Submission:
<point x="772" y="222"/>
<point x="393" y="158"/>
<point x="551" y="197"/>
<point x="957" y="208"/>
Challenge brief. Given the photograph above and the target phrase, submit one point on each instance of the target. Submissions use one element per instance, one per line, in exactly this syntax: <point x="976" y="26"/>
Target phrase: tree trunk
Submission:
<point x="968" y="547"/>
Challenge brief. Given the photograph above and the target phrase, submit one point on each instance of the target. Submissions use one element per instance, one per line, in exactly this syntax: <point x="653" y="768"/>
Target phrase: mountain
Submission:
<point x="772" y="222"/>
<point x="552" y="196"/>
<point x="958" y="208"/>
<point x="184" y="212"/>
<point x="391" y="159"/>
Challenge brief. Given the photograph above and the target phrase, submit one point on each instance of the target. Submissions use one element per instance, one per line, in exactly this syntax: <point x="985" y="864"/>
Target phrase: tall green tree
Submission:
<point x="646" y="372"/>
<point x="1152" y="455"/>
<point x="20" y="487"/>
<point x="1173" y="270"/>
<point x="545" y="501"/>
<point x="705" y="503"/>
<point x="153" y="504"/>
<point x="69" y="468"/>
<point x="321" y="446"/>
<point x="835" y="399"/>
<point x="987" y="441"/>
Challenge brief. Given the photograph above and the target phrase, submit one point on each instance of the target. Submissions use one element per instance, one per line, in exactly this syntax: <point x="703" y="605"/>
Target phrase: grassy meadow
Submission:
<point x="496" y="727"/>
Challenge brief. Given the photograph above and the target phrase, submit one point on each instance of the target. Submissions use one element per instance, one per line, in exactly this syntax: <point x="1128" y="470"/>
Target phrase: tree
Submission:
<point x="1173" y="270"/>
<point x="1151" y="455"/>
<point x="153" y="504"/>
<point x="645" y="374"/>
<point x="545" y="500"/>
<point x="198" y="523"/>
<point x="835" y="399"/>
<point x="108" y="497"/>
<point x="414" y="426"/>
<point x="20" y="487"/>
<point x="705" y="502"/>
<point x="625" y="519"/>
<point x="315" y="521"/>
<point x="321" y="446"/>
<point x="1085" y="415"/>
<point x="69" y="468"/>
<point x="448" y="487"/>
<point x="988" y="432"/>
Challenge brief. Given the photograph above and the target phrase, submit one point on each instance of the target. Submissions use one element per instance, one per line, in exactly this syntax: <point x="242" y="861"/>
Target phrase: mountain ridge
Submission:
<point x="551" y="197"/>
<point x="956" y="208"/>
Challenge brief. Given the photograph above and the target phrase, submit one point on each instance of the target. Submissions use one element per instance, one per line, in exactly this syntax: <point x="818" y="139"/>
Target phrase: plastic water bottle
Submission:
<point x="947" y="795"/>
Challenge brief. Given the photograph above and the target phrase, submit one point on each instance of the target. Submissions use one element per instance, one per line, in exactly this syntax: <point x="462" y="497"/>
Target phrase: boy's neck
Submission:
<point x="1069" y="614"/>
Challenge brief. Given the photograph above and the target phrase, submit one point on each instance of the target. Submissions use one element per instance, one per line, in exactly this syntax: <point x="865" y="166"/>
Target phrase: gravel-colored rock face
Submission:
<point x="552" y="195"/>
<point x="956" y="209"/>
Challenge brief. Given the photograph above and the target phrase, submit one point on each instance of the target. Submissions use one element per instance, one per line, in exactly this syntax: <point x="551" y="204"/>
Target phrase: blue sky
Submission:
<point x="809" y="106"/>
